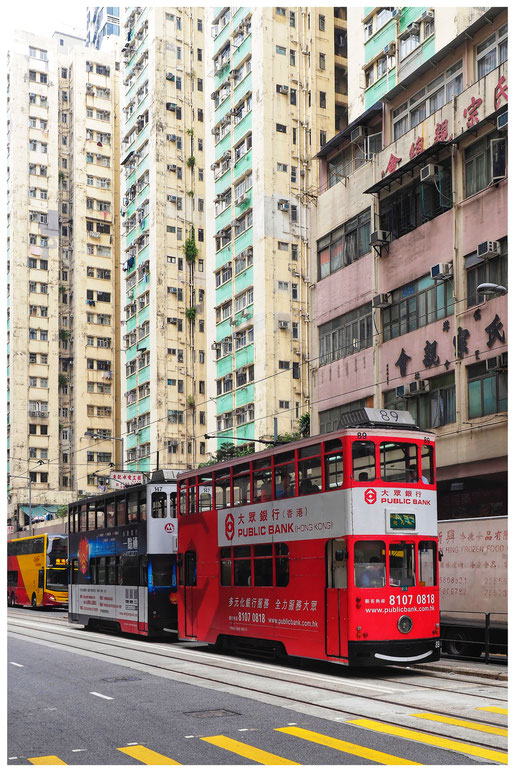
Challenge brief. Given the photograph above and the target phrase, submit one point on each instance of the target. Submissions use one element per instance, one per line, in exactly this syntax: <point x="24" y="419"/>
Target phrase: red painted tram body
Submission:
<point x="324" y="548"/>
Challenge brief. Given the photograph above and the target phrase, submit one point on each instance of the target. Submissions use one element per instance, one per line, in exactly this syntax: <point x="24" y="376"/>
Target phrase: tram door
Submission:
<point x="336" y="632"/>
<point x="190" y="584"/>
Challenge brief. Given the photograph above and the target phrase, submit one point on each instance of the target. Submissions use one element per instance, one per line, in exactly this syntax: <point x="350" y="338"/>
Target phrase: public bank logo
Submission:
<point x="169" y="528"/>
<point x="83" y="555"/>
<point x="370" y="496"/>
<point x="229" y="527"/>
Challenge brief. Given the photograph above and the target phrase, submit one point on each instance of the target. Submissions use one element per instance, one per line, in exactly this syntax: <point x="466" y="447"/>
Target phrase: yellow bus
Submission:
<point x="37" y="572"/>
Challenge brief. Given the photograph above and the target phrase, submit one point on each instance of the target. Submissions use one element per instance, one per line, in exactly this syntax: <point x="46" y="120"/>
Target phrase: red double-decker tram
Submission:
<point x="325" y="547"/>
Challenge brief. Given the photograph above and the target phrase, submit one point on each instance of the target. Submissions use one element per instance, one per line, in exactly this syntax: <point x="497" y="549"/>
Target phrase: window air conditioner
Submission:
<point x="402" y="391"/>
<point x="497" y="363"/>
<point x="171" y="168"/>
<point x="379" y="238"/>
<point x="389" y="50"/>
<point x="170" y="76"/>
<point x="441" y="271"/>
<point x="173" y="199"/>
<point x="358" y="133"/>
<point x="430" y="172"/>
<point x="427" y="15"/>
<point x="174" y="290"/>
<point x="241" y="199"/>
<point x="284" y="206"/>
<point x="171" y="137"/>
<point x="282" y="89"/>
<point x="416" y="387"/>
<point x="283" y="325"/>
<point x="502" y="121"/>
<point x="382" y="301"/>
<point x="488" y="249"/>
<point x="413" y="27"/>
<point x="171" y="106"/>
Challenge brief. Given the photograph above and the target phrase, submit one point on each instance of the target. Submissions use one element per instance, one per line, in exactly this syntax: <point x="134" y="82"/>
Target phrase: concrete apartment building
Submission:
<point x="163" y="237"/>
<point x="102" y="27"/>
<point x="278" y="87"/>
<point x="410" y="220"/>
<point x="62" y="252"/>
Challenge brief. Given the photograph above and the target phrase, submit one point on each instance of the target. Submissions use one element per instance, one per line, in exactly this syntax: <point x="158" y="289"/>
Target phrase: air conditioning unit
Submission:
<point x="172" y="199"/>
<point x="402" y="391"/>
<point x="89" y="87"/>
<point x="488" y="249"/>
<point x="389" y="50"/>
<point x="502" y="121"/>
<point x="282" y="89"/>
<point x="241" y="199"/>
<point x="430" y="172"/>
<point x="94" y="235"/>
<point x="170" y="76"/>
<point x="417" y="387"/>
<point x="233" y="74"/>
<point x="441" y="271"/>
<point x="283" y="325"/>
<point x="174" y="290"/>
<point x="497" y="363"/>
<point x="283" y="206"/>
<point x="171" y="137"/>
<point x="427" y="15"/>
<point x="171" y="106"/>
<point x="379" y="238"/>
<point x="413" y="27"/>
<point x="171" y="167"/>
<point x="382" y="301"/>
<point x="358" y="133"/>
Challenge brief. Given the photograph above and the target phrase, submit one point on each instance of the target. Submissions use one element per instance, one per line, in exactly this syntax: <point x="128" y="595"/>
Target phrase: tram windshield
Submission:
<point x="369" y="564"/>
<point x="402" y="564"/>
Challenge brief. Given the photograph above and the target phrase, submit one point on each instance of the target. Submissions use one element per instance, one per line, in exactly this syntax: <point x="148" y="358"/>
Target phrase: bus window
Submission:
<point x="402" y="564"/>
<point x="121" y="512"/>
<point x="263" y="565"/>
<point x="158" y="504"/>
<point x="369" y="564"/>
<point x="161" y="570"/>
<point x="310" y="475"/>
<point x="222" y="490"/>
<point x="110" y="514"/>
<point x="363" y="461"/>
<point x="427" y="563"/>
<point x="262" y="485"/>
<point x="333" y="460"/>
<point x="205" y="492"/>
<point x="132" y="507"/>
<point x="397" y="460"/>
<point x="225" y="567"/>
<point x="241" y="566"/>
<point x="428" y="476"/>
<point x="143" y="504"/>
<point x="282" y="566"/>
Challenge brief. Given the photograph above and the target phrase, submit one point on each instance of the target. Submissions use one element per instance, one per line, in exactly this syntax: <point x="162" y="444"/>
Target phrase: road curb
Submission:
<point x="494" y="675"/>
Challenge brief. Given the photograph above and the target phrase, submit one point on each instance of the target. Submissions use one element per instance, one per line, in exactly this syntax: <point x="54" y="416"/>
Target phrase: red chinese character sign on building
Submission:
<point x="442" y="131"/>
<point x="392" y="165"/>
<point x="501" y="92"/>
<point x="416" y="148"/>
<point x="471" y="112"/>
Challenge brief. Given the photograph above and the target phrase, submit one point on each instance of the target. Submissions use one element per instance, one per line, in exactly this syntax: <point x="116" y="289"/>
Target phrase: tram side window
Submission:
<point x="111" y="520"/>
<point x="242" y="566"/>
<point x="310" y="469"/>
<point x="241" y="490"/>
<point x="182" y="498"/>
<point x="428" y="475"/>
<point x="262" y="485"/>
<point x="83" y="518"/>
<point x="363" y="460"/>
<point x="205" y="492"/>
<point x="91" y="517"/>
<point x="121" y="512"/>
<point x="162" y="570"/>
<point x="143" y="504"/>
<point x="263" y="565"/>
<point x="369" y="564"/>
<point x="225" y="567"/>
<point x="333" y="460"/>
<point x="173" y="504"/>
<point x="101" y="515"/>
<point x="192" y="496"/>
<point x="130" y="570"/>
<point x="398" y="461"/>
<point x="282" y="565"/>
<point x="222" y="490"/>
<point x="158" y="504"/>
<point x="257" y="562"/>
<point x="427" y="563"/>
<point x="402" y="564"/>
<point x="133" y="507"/>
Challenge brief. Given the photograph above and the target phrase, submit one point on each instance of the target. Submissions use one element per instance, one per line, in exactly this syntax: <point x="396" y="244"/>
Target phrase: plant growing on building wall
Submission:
<point x="191" y="400"/>
<point x="190" y="248"/>
<point x="61" y="176"/>
<point x="304" y="424"/>
<point x="191" y="193"/>
<point x="64" y="335"/>
<point x="61" y="288"/>
<point x="191" y="161"/>
<point x="191" y="313"/>
<point x="190" y="132"/>
<point x="62" y="379"/>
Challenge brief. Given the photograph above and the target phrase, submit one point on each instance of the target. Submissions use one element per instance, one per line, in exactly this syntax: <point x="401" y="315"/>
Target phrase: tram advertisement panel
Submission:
<point x="329" y="515"/>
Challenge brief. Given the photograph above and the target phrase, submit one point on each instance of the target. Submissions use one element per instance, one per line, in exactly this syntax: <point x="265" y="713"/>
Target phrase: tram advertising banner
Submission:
<point x="365" y="511"/>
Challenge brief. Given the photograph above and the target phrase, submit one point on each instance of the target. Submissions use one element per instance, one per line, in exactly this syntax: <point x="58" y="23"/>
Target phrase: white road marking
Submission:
<point x="189" y="736"/>
<point x="243" y="730"/>
<point x="131" y="744"/>
<point x="292" y="723"/>
<point x="16" y="664"/>
<point x="11" y="758"/>
<point x="79" y="750"/>
<point x="104" y="697"/>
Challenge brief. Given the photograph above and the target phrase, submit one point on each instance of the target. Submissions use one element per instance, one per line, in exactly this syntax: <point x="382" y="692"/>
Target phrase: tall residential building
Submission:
<point x="163" y="211"/>
<point x="102" y="27"/>
<point x="411" y="221"/>
<point x="62" y="252"/>
<point x="278" y="90"/>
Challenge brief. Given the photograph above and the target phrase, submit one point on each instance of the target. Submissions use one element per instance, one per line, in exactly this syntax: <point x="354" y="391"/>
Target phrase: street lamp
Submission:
<point x="101" y="437"/>
<point x="491" y="289"/>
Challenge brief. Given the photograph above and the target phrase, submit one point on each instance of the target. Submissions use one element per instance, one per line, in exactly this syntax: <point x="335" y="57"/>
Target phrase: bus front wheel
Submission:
<point x="34" y="601"/>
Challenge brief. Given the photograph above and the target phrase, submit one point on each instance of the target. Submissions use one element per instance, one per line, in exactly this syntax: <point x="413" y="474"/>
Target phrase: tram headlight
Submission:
<point x="405" y="624"/>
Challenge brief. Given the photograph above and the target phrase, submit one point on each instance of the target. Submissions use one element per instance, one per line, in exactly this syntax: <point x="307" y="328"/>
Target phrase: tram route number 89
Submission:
<point x="405" y="599"/>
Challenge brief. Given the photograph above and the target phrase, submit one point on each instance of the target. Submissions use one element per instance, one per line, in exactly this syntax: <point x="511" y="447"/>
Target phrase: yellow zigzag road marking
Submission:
<point x="248" y="751"/>
<point x="47" y="760"/>
<point x="502" y="711"/>
<point x="460" y="722"/>
<point x="146" y="756"/>
<point x="438" y="742"/>
<point x="345" y="747"/>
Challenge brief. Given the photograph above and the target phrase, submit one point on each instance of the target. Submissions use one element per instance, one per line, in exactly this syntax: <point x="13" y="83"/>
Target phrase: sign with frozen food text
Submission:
<point x="124" y="479"/>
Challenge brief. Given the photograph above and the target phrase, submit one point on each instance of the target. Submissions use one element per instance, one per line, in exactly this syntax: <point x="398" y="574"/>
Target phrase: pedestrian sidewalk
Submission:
<point x="492" y="670"/>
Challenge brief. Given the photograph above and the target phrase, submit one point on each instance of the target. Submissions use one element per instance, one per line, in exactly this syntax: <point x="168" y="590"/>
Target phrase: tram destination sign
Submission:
<point x="369" y="416"/>
<point x="402" y="521"/>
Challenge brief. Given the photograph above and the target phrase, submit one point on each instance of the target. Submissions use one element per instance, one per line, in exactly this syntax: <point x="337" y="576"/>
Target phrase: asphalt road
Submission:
<point x="84" y="710"/>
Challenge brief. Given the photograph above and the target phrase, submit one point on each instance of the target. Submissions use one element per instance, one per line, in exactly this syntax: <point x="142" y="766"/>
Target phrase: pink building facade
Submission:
<point x="410" y="220"/>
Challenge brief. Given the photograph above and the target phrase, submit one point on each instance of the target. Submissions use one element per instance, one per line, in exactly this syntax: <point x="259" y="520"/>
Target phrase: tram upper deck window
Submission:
<point x="369" y="563"/>
<point x="284" y="473"/>
<point x="402" y="564"/>
<point x="428" y="464"/>
<point x="398" y="461"/>
<point x="121" y="512"/>
<point x="101" y="514"/>
<point x="427" y="563"/>
<point x="142" y="504"/>
<point x="333" y="460"/>
<point x="111" y="519"/>
<point x="83" y="518"/>
<point x="222" y="490"/>
<point x="241" y="484"/>
<point x="132" y="507"/>
<point x="91" y="517"/>
<point x="262" y="484"/>
<point x="363" y="460"/>
<point x="205" y="492"/>
<point x="158" y="504"/>
<point x="310" y="469"/>
<point x="192" y="495"/>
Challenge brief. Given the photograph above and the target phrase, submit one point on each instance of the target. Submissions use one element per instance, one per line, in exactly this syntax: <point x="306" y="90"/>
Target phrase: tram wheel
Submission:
<point x="34" y="601"/>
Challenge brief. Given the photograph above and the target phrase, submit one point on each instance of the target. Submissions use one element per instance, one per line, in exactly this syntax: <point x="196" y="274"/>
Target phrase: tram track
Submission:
<point x="312" y="692"/>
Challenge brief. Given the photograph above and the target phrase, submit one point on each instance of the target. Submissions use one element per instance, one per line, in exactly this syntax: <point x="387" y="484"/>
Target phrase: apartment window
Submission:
<point x="280" y="11"/>
<point x="493" y="271"/>
<point x="323" y="138"/>
<point x="292" y="58"/>
<point x="293" y="174"/>
<point x="417" y="304"/>
<point x="430" y="409"/>
<point x="323" y="99"/>
<point x="408" y="43"/>
<point x="280" y="50"/>
<point x="321" y="61"/>
<point x="294" y="213"/>
<point x="321" y="22"/>
<point x="382" y="16"/>
<point x="292" y="18"/>
<point x="487" y="390"/>
<point x="294" y="291"/>
<point x="492" y="52"/>
<point x="485" y="163"/>
<point x="344" y="245"/>
<point x="199" y="25"/>
<point x="283" y="365"/>
<point x="293" y="96"/>
<point x="346" y="334"/>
